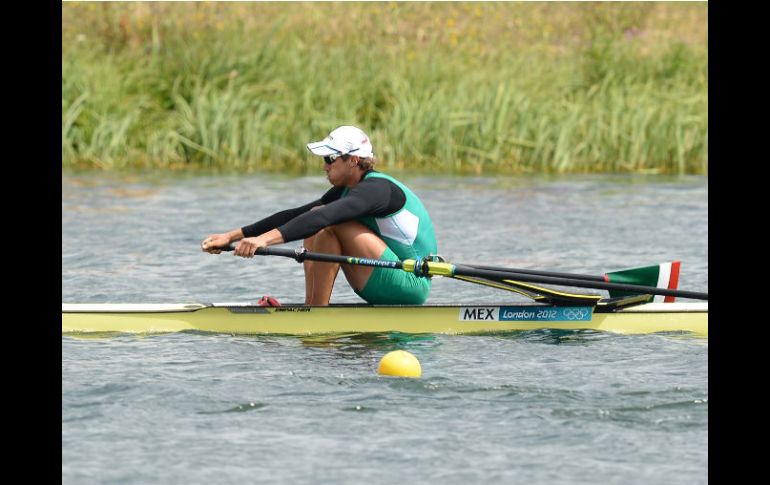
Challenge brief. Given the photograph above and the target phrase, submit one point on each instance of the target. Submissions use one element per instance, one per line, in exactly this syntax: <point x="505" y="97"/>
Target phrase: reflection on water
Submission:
<point x="366" y="340"/>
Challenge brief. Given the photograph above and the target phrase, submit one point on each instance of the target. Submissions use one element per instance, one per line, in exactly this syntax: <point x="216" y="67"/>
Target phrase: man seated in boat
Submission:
<point x="366" y="213"/>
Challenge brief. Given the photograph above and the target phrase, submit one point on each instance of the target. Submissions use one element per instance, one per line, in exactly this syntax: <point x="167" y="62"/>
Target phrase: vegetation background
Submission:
<point x="455" y="87"/>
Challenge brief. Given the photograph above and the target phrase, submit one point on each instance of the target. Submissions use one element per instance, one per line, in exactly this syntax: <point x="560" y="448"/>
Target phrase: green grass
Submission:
<point x="448" y="87"/>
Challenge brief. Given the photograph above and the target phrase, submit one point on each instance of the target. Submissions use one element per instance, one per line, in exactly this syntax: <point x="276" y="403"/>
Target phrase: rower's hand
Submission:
<point x="213" y="243"/>
<point x="247" y="246"/>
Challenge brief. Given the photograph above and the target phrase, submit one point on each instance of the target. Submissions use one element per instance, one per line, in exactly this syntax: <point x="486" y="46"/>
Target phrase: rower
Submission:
<point x="366" y="214"/>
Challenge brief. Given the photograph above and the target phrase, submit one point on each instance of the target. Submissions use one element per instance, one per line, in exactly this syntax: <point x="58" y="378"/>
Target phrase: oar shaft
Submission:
<point x="541" y="273"/>
<point x="510" y="275"/>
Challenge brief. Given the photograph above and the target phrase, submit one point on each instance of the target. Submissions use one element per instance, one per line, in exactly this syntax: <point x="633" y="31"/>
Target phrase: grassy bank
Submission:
<point x="451" y="87"/>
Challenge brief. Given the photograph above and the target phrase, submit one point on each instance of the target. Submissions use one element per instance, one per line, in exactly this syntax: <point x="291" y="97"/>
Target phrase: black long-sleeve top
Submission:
<point x="373" y="196"/>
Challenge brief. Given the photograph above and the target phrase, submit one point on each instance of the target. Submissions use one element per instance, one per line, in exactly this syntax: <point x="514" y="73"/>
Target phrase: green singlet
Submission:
<point x="409" y="234"/>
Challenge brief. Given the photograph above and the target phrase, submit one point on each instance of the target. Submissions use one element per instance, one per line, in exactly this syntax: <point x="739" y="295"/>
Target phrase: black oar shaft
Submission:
<point x="540" y="273"/>
<point x="603" y="285"/>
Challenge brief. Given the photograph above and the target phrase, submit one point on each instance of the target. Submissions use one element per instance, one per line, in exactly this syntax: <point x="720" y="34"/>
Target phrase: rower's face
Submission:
<point x="338" y="170"/>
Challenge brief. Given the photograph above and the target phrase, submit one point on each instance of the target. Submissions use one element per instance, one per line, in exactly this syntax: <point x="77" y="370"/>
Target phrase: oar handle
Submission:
<point x="301" y="254"/>
<point x="297" y="254"/>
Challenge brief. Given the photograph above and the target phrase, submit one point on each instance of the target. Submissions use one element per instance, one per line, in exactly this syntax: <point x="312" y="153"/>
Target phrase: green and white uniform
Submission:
<point x="408" y="232"/>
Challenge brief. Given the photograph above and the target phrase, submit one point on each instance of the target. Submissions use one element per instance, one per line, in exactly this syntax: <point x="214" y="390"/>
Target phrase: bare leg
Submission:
<point x="319" y="276"/>
<point x="349" y="238"/>
<point x="308" y="267"/>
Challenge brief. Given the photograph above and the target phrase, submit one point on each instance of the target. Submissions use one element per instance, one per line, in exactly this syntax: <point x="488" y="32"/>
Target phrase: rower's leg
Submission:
<point x="308" y="267"/>
<point x="350" y="238"/>
<point x="319" y="276"/>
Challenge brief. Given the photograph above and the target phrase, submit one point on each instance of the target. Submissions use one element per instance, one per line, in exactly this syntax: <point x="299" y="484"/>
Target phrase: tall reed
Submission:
<point x="453" y="87"/>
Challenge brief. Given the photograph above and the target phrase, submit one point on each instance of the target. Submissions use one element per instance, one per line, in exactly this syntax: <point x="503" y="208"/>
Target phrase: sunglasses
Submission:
<point x="328" y="160"/>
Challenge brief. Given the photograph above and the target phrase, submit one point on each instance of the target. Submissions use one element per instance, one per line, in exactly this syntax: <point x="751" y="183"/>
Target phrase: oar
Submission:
<point x="424" y="267"/>
<point x="545" y="273"/>
<point x="583" y="283"/>
<point x="664" y="275"/>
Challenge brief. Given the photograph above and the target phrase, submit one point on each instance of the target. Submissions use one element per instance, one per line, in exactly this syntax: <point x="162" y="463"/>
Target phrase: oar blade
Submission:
<point x="663" y="275"/>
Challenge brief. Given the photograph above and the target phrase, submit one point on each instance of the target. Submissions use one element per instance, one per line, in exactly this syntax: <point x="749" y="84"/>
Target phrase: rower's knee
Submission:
<point x="325" y="233"/>
<point x="347" y="230"/>
<point x="320" y="235"/>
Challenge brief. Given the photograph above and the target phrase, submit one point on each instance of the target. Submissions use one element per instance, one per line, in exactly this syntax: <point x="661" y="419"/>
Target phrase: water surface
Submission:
<point x="524" y="407"/>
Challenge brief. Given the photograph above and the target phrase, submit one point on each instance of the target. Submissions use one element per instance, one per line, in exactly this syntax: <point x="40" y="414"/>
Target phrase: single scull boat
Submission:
<point x="631" y="312"/>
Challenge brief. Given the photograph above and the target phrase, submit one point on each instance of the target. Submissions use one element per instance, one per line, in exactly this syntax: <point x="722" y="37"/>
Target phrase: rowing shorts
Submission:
<point x="394" y="286"/>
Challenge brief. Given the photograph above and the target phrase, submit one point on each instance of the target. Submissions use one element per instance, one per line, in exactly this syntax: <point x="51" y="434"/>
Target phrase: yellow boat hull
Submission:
<point x="334" y="319"/>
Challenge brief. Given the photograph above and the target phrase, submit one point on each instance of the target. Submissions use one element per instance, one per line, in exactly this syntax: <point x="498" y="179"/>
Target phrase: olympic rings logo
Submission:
<point x="577" y="313"/>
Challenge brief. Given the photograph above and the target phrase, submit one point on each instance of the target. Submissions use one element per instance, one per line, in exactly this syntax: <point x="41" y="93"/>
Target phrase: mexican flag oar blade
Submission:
<point x="664" y="275"/>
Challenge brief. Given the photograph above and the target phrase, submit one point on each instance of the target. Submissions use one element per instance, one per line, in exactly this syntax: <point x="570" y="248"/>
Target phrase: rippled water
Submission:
<point x="525" y="407"/>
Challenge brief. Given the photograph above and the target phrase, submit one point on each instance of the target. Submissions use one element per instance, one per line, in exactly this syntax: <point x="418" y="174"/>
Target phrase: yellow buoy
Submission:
<point x="400" y="363"/>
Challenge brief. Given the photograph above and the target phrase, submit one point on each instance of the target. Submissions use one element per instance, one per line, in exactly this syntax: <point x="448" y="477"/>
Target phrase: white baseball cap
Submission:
<point x="345" y="140"/>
